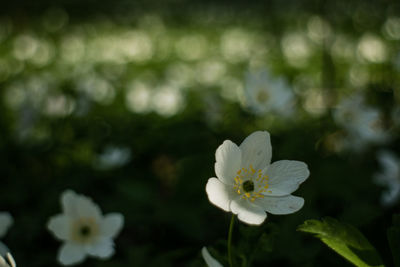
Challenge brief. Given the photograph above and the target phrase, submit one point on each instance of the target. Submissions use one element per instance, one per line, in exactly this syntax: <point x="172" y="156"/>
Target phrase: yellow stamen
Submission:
<point x="256" y="177"/>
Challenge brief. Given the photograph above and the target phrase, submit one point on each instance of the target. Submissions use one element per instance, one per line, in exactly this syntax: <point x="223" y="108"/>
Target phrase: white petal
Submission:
<point x="285" y="176"/>
<point x="103" y="249"/>
<point x="219" y="193"/>
<point x="59" y="225"/>
<point x="112" y="224"/>
<point x="6" y="221"/>
<point x="248" y="212"/>
<point x="280" y="205"/>
<point x="68" y="199"/>
<point x="211" y="262"/>
<point x="389" y="162"/>
<point x="228" y="159"/>
<point x="71" y="254"/>
<point x="10" y="263"/>
<point x="11" y="260"/>
<point x="256" y="150"/>
<point x="392" y="194"/>
<point x="77" y="206"/>
<point x="3" y="262"/>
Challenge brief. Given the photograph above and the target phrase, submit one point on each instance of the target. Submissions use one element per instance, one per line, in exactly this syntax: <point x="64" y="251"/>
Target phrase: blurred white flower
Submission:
<point x="112" y="157"/>
<point x="363" y="123"/>
<point x="167" y="100"/>
<point x="6" y="220"/>
<point x="84" y="229"/>
<point x="389" y="177"/>
<point x="10" y="263"/>
<point x="264" y="94"/>
<point x="210" y="261"/>
<point x="296" y="48"/>
<point x="372" y="48"/>
<point x="248" y="185"/>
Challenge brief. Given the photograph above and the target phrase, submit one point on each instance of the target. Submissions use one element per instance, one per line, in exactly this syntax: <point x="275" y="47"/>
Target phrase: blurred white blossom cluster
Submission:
<point x="367" y="126"/>
<point x="152" y="66"/>
<point x="363" y="123"/>
<point x="389" y="177"/>
<point x="360" y="124"/>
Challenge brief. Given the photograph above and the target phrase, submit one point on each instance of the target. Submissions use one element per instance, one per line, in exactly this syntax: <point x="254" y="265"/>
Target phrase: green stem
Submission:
<point x="230" y="240"/>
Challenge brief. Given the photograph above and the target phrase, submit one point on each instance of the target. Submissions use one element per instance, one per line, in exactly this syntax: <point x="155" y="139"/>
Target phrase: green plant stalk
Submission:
<point x="230" y="240"/>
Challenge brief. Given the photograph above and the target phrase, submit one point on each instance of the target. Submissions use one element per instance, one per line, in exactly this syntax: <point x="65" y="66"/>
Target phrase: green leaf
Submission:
<point x="393" y="235"/>
<point x="344" y="239"/>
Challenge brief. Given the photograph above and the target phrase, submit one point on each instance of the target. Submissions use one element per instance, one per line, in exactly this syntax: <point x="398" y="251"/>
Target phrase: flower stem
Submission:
<point x="230" y="240"/>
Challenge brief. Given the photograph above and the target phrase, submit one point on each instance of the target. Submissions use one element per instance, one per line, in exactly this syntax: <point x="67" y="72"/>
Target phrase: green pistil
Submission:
<point x="85" y="231"/>
<point x="248" y="186"/>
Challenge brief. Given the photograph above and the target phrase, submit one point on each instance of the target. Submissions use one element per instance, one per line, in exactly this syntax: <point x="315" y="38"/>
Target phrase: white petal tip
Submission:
<point x="210" y="260"/>
<point x="251" y="221"/>
<point x="217" y="194"/>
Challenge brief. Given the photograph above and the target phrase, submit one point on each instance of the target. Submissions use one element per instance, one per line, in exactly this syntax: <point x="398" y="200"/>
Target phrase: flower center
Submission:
<point x="248" y="186"/>
<point x="84" y="230"/>
<point x="262" y="96"/>
<point x="250" y="183"/>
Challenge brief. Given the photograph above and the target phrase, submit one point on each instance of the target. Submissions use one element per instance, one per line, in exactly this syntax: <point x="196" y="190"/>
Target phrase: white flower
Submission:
<point x="248" y="185"/>
<point x="84" y="229"/>
<point x="362" y="123"/>
<point x="6" y="221"/>
<point x="10" y="263"/>
<point x="112" y="157"/>
<point x="264" y="94"/>
<point x="211" y="262"/>
<point x="389" y="177"/>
